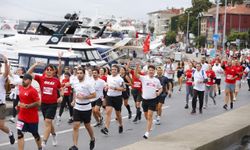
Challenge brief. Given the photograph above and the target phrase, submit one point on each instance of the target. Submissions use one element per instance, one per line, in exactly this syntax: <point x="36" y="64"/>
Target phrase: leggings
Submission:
<point x="66" y="99"/>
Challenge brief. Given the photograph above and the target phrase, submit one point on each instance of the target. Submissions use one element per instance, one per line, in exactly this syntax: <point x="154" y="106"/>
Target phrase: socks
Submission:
<point x="128" y="108"/>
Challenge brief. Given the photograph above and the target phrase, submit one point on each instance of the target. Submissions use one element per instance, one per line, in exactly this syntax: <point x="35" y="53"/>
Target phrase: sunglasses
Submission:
<point x="49" y="69"/>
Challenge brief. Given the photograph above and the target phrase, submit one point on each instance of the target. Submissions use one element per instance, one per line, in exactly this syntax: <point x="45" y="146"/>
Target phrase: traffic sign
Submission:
<point x="216" y="37"/>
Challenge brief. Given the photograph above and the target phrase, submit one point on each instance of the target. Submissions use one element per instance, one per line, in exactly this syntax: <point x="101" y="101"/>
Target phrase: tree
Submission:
<point x="170" y="38"/>
<point x="174" y="23"/>
<point x="200" y="41"/>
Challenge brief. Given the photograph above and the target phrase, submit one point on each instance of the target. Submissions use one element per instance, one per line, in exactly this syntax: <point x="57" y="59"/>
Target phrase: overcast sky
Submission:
<point x="56" y="9"/>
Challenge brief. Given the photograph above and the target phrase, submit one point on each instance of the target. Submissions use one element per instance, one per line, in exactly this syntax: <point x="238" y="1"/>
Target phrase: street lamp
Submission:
<point x="216" y="24"/>
<point x="187" y="42"/>
<point x="224" y="28"/>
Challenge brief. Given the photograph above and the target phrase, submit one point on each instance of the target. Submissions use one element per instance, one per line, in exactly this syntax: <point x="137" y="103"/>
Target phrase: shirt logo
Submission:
<point x="151" y="84"/>
<point x="49" y="83"/>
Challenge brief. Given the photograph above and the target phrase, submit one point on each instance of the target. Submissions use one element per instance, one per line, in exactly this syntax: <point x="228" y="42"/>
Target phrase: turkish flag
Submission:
<point x="146" y="45"/>
<point x="88" y="41"/>
<point x="136" y="35"/>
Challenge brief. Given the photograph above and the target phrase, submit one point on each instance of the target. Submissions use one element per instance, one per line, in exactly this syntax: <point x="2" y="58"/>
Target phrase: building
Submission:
<point x="161" y="20"/>
<point x="237" y="19"/>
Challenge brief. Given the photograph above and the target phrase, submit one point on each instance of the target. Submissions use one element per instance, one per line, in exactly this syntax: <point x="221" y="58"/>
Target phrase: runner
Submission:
<point x="3" y="80"/>
<point x="66" y="98"/>
<point x="96" y="103"/>
<point x="180" y="73"/>
<point x="200" y="78"/>
<point x="189" y="83"/>
<point x="83" y="92"/>
<point x="115" y="86"/>
<point x="239" y="69"/>
<point x="218" y="73"/>
<point x="209" y="85"/>
<point x="247" y="76"/>
<point x="28" y="112"/>
<point x="169" y="73"/>
<point x="151" y="88"/>
<point x="49" y="86"/>
<point x="161" y="98"/>
<point x="230" y="80"/>
<point x="125" y="94"/>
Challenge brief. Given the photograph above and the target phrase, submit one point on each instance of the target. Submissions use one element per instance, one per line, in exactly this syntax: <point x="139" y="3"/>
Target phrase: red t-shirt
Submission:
<point x="104" y="78"/>
<point x="49" y="87"/>
<point x="230" y="72"/>
<point x="28" y="96"/>
<point x="136" y="83"/>
<point x="66" y="89"/>
<point x="239" y="69"/>
<point x="189" y="76"/>
<point x="210" y="77"/>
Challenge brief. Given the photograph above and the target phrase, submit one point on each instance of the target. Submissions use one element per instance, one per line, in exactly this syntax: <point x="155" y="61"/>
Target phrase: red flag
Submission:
<point x="88" y="41"/>
<point x="146" y="45"/>
<point x="136" y="35"/>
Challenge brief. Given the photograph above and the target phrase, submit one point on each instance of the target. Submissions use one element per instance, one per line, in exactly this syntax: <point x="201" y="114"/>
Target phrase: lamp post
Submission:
<point x="216" y="24"/>
<point x="187" y="42"/>
<point x="224" y="28"/>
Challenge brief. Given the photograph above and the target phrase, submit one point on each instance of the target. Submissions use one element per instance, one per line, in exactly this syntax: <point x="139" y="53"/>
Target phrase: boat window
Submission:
<point x="96" y="54"/>
<point x="38" y="59"/>
<point x="74" y="62"/>
<point x="22" y="26"/>
<point x="32" y="28"/>
<point x="24" y="61"/>
<point x="90" y="55"/>
<point x="47" y="29"/>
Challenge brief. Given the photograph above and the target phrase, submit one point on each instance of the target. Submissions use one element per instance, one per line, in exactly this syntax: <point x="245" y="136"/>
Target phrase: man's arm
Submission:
<point x="31" y="69"/>
<point x="137" y="75"/>
<point x="6" y="67"/>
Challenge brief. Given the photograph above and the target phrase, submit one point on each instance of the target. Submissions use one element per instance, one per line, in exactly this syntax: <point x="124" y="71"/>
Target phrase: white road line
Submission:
<point x="69" y="130"/>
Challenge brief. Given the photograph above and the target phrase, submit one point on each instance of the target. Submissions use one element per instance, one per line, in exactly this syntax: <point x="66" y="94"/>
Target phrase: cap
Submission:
<point x="27" y="76"/>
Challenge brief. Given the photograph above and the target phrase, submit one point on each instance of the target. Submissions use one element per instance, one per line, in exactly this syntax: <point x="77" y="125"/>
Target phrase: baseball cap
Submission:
<point x="27" y="76"/>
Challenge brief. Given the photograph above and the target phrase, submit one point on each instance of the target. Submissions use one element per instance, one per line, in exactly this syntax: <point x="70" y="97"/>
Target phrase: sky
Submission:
<point x="56" y="9"/>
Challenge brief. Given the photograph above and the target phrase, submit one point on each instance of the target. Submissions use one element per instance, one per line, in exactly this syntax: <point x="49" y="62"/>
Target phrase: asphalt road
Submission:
<point x="174" y="117"/>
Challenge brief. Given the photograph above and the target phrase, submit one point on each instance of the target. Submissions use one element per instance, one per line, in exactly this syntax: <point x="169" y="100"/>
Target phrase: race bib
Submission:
<point x="189" y="79"/>
<point x="137" y="84"/>
<point x="229" y="76"/>
<point x="19" y="125"/>
<point x="65" y="90"/>
<point x="209" y="79"/>
<point x="47" y="90"/>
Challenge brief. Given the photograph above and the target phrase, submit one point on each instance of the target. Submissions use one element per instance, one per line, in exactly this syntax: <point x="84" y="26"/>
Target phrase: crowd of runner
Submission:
<point x="87" y="90"/>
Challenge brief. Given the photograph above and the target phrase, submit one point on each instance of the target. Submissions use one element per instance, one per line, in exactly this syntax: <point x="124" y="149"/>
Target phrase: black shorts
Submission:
<point x="136" y="95"/>
<point x="217" y="81"/>
<point x="161" y="98"/>
<point x="125" y="94"/>
<point x="115" y="102"/>
<point x="149" y="104"/>
<point x="28" y="127"/>
<point x="49" y="110"/>
<point x="82" y="116"/>
<point x="97" y="102"/>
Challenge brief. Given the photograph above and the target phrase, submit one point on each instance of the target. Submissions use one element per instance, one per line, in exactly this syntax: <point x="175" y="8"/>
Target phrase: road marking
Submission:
<point x="70" y="130"/>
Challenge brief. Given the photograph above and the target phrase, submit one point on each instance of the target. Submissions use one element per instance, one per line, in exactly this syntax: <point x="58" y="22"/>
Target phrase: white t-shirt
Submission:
<point x="114" y="82"/>
<point x="99" y="85"/>
<point x="169" y="71"/>
<point x="150" y="86"/>
<point x="247" y="71"/>
<point x="204" y="66"/>
<point x="73" y="79"/>
<point x="86" y="88"/>
<point x="2" y="90"/>
<point x="218" y="71"/>
<point x="199" y="76"/>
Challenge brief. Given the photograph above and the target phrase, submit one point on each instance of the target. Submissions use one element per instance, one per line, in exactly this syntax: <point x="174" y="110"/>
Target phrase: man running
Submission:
<point x="115" y="86"/>
<point x="83" y="92"/>
<point x="50" y="86"/>
<point x="151" y="88"/>
<point x="3" y="78"/>
<point x="28" y="112"/>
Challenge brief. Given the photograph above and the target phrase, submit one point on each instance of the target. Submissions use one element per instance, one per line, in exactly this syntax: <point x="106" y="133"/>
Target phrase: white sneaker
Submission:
<point x="158" y="122"/>
<point x="12" y="120"/>
<point x="54" y="140"/>
<point x="146" y="135"/>
<point x="43" y="146"/>
<point x="58" y="122"/>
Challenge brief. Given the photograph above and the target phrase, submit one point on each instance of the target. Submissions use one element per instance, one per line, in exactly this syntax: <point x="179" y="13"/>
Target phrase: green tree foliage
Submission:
<point x="174" y="23"/>
<point x="244" y="36"/>
<point x="170" y="38"/>
<point x="200" y="41"/>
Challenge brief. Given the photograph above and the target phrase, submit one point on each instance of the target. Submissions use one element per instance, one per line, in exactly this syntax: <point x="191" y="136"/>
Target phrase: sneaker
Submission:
<point x="225" y="106"/>
<point x="146" y="135"/>
<point x="129" y="115"/>
<point x="73" y="148"/>
<point x="12" y="120"/>
<point x="204" y="107"/>
<point x="157" y="122"/>
<point x="136" y="119"/>
<point x="120" y="129"/>
<point x="54" y="140"/>
<point x="70" y="121"/>
<point x="97" y="124"/>
<point x="231" y="105"/>
<point x="92" y="144"/>
<point x="193" y="112"/>
<point x="12" y="138"/>
<point x="105" y="131"/>
<point x="186" y="106"/>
